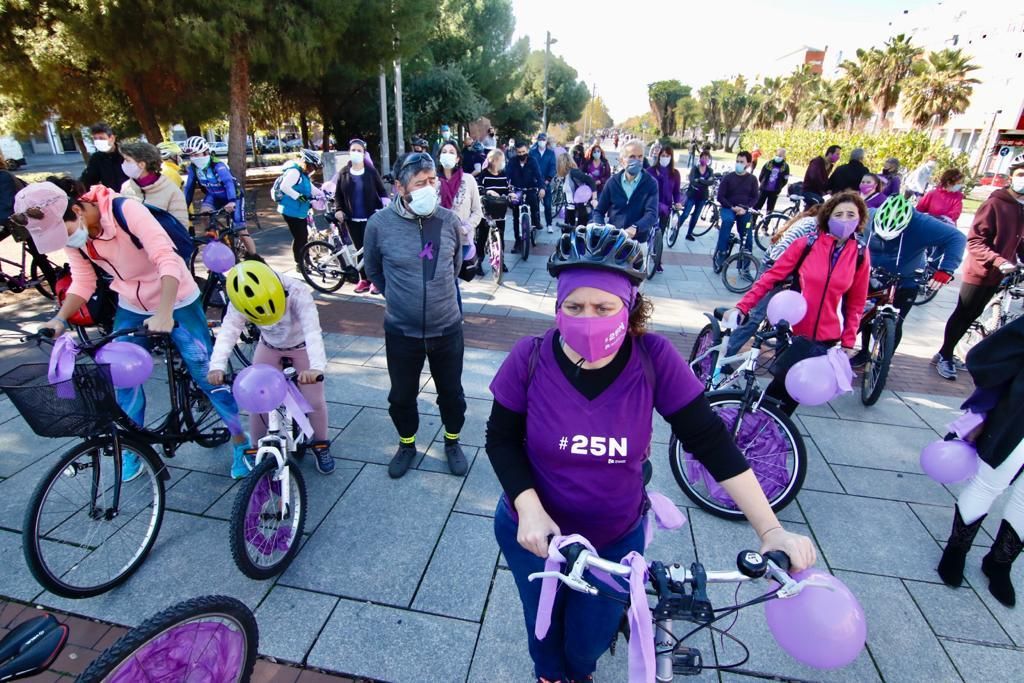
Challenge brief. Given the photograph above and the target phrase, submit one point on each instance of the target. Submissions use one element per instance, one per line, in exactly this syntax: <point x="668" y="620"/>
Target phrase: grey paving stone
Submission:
<point x="339" y="415"/>
<point x="379" y="519"/>
<point x="18" y="582"/>
<point x="938" y="519"/>
<point x="322" y="491"/>
<point x="434" y="460"/>
<point x="820" y="476"/>
<point x="480" y="493"/>
<point x="15" y="492"/>
<point x="478" y="410"/>
<point x="21" y="447"/>
<point x="195" y="491"/>
<point x="478" y="369"/>
<point x="358" y="351"/>
<point x="903" y="647"/>
<point x="394" y="645"/>
<point x="216" y="461"/>
<point x="459" y="573"/>
<point x="824" y="410"/>
<point x="957" y="612"/>
<point x="870" y="535"/>
<point x="335" y="343"/>
<point x="371" y="436"/>
<point x="501" y="652"/>
<point x="913" y="488"/>
<point x="980" y="664"/>
<point x="357" y="385"/>
<point x="169" y="574"/>
<point x="885" y="447"/>
<point x="889" y="410"/>
<point x="290" y="621"/>
<point x="1010" y="618"/>
<point x="936" y="411"/>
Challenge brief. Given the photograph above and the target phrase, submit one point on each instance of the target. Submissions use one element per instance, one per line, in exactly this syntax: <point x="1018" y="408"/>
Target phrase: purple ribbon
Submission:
<point x="62" y="365"/>
<point x="428" y="251"/>
<point x="841" y="366"/>
<point x="966" y="423"/>
<point x="665" y="514"/>
<point x="298" y="407"/>
<point x="641" y="631"/>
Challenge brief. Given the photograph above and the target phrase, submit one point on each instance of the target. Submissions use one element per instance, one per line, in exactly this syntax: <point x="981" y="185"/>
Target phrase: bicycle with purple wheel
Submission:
<point x="494" y="252"/>
<point x="765" y="435"/>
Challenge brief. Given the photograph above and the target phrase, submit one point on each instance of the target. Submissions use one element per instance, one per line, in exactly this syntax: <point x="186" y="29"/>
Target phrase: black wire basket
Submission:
<point x="82" y="406"/>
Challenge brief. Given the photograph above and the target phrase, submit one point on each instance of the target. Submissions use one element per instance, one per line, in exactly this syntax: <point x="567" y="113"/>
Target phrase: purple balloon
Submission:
<point x="812" y="381"/>
<point x="260" y="388"/>
<point x="949" y="462"/>
<point x="130" y="364"/>
<point x="787" y="305"/>
<point x="821" y="627"/>
<point x="582" y="194"/>
<point x="218" y="257"/>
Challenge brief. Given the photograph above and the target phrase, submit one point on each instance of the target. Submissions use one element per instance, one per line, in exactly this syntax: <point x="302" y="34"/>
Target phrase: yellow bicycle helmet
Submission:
<point x="256" y="292"/>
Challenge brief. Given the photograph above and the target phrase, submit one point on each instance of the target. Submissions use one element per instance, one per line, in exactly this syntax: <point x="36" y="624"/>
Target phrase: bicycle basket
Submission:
<point x="81" y="406"/>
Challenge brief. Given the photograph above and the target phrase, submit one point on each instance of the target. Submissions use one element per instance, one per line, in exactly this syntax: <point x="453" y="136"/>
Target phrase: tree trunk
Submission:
<point x="143" y="112"/>
<point x="304" y="129"/>
<point x="76" y="135"/>
<point x="325" y="121"/>
<point x="238" y="111"/>
<point x="192" y="128"/>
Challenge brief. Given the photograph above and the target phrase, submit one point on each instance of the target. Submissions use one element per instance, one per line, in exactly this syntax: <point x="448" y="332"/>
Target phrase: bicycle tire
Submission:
<point x="33" y="535"/>
<point x="245" y="348"/>
<point x="496" y="256"/>
<point x="872" y="381"/>
<point x="316" y="266"/>
<point x="711" y="211"/>
<point x="258" y="483"/>
<point x="526" y="231"/>
<point x="743" y="279"/>
<point x="717" y="502"/>
<point x="673" y="231"/>
<point x="704" y="341"/>
<point x="975" y="333"/>
<point x="125" y="659"/>
<point x="43" y="286"/>
<point x="767" y="228"/>
<point x="924" y="294"/>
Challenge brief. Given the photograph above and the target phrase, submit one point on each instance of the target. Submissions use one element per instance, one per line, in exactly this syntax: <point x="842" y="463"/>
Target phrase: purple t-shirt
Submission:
<point x="587" y="456"/>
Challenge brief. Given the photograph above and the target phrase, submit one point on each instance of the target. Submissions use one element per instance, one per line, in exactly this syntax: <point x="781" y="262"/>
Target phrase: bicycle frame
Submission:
<point x="746" y="359"/>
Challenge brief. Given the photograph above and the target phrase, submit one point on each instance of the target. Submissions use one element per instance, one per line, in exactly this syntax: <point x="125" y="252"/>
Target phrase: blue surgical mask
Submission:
<point x="78" y="238"/>
<point x="741" y="168"/>
<point x="634" y="166"/>
<point x="956" y="188"/>
<point x="423" y="201"/>
<point x="597" y="155"/>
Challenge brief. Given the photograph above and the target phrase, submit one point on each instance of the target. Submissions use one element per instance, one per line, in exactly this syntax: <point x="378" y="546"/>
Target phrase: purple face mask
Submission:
<point x="594" y="338"/>
<point x="841" y="229"/>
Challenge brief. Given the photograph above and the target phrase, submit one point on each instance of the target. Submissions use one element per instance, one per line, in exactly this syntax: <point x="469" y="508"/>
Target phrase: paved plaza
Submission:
<point x="401" y="580"/>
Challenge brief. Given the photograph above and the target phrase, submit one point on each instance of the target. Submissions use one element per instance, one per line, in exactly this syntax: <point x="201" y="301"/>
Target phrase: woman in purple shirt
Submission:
<point x="596" y="165"/>
<point x="570" y="430"/>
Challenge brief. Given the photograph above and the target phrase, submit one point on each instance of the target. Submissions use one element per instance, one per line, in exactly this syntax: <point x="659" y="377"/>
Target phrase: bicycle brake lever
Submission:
<point x="574" y="582"/>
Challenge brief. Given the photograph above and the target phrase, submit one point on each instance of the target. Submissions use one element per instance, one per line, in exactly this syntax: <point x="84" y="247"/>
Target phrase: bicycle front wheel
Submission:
<point x="883" y="344"/>
<point x="740" y="271"/>
<point x="265" y="534"/>
<point x="705" y="368"/>
<point x="496" y="256"/>
<point x="767" y="438"/>
<point x="321" y="267"/>
<point x="673" y="230"/>
<point x="43" y="285"/>
<point x="212" y="638"/>
<point x="709" y="216"/>
<point x="767" y="228"/>
<point x="924" y="294"/>
<point x="526" y="230"/>
<point x="77" y="544"/>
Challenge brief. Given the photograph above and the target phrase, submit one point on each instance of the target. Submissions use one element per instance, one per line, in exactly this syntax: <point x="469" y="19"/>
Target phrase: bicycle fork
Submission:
<point x="276" y="446"/>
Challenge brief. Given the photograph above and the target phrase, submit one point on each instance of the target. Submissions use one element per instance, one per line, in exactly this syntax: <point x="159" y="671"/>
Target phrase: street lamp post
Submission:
<point x="385" y="154"/>
<point x="547" y="54"/>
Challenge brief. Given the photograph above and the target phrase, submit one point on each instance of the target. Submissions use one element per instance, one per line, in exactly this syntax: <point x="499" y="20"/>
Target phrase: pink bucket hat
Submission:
<point x="48" y="233"/>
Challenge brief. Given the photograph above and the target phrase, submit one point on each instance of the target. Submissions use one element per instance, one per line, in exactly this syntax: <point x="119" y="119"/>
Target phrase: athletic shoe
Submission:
<point x="550" y="229"/>
<point x="242" y="462"/>
<point x="691" y="238"/>
<point x="362" y="287"/>
<point x="373" y="289"/>
<point x="860" y="359"/>
<point x="324" y="459"/>
<point x="402" y="461"/>
<point x="960" y="365"/>
<point x="456" y="458"/>
<point x="131" y="466"/>
<point x="517" y="247"/>
<point x="946" y="369"/>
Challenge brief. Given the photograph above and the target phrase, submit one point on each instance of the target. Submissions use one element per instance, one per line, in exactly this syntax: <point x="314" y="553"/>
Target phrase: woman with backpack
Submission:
<point x="293" y="191"/>
<point x="143" y="165"/>
<point x="831" y="269"/>
<point x="578" y="192"/>
<point x="152" y="280"/>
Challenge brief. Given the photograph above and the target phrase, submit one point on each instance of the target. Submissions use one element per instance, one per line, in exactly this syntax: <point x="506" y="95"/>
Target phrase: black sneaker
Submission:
<point x="324" y="459"/>
<point x="456" y="458"/>
<point x="860" y="359"/>
<point x="691" y="238"/>
<point x="402" y="461"/>
<point x="517" y="247"/>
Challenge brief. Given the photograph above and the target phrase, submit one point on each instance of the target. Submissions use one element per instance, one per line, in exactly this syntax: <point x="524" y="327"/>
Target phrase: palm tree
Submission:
<point x="795" y="89"/>
<point x="942" y="88"/>
<point x="767" y="101"/>
<point x="823" y="105"/>
<point x="887" y="69"/>
<point x="852" y="91"/>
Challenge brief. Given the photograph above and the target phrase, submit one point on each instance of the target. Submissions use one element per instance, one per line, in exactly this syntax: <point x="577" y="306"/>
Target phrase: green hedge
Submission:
<point x="910" y="148"/>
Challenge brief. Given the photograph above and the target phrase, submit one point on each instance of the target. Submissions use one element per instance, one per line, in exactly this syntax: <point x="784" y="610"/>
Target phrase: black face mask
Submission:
<point x="522" y="157"/>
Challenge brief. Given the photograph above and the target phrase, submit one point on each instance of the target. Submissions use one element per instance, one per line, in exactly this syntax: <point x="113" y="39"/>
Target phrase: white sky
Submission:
<point x="682" y="39"/>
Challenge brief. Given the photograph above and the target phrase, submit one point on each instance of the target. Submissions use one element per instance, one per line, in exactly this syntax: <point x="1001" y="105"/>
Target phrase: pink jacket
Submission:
<point x="136" y="272"/>
<point x="941" y="202"/>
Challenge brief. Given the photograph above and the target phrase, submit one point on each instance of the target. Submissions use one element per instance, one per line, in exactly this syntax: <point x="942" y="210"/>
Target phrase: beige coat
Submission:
<point x="163" y="194"/>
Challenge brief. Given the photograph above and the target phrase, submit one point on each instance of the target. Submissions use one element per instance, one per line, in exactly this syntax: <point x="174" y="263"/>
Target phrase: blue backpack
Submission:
<point x="178" y="233"/>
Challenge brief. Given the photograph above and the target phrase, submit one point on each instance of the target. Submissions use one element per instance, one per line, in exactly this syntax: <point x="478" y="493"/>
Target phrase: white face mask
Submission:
<point x="447" y="159"/>
<point x="201" y="162"/>
<point x="131" y="169"/>
<point x="1017" y="184"/>
<point x="541" y="144"/>
<point x="423" y="201"/>
<point x="77" y="239"/>
<point x="103" y="145"/>
<point x="357" y="158"/>
<point x="664" y="161"/>
<point x="446" y="135"/>
<point x="956" y="188"/>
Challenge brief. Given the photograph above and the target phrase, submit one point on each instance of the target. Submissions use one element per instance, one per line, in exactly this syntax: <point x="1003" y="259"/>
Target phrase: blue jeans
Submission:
<point x="695" y="205"/>
<point x="729" y="217"/>
<point x="582" y="626"/>
<point x="744" y="332"/>
<point x="192" y="339"/>
<point x="547" y="203"/>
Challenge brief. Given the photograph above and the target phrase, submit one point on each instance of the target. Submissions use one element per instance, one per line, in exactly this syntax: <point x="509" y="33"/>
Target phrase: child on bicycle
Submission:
<point x="215" y="179"/>
<point x="153" y="284"/>
<point x="289" y="325"/>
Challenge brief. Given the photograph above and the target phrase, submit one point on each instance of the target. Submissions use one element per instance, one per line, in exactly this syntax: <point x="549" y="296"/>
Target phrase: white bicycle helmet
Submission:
<point x="312" y="157"/>
<point x="1016" y="162"/>
<point x="195" y="145"/>
<point x="893" y="217"/>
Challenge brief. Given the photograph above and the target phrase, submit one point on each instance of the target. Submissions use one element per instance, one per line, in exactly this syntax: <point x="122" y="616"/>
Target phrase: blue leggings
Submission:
<point x="192" y="339"/>
<point x="695" y="206"/>
<point x="582" y="626"/>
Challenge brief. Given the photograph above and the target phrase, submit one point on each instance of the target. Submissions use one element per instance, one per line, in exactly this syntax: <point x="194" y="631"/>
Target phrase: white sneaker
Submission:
<point x="550" y="229"/>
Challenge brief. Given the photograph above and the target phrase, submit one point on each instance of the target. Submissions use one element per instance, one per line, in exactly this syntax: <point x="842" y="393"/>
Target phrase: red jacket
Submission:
<point x="825" y="287"/>
<point x="995" y="237"/>
<point x="941" y="202"/>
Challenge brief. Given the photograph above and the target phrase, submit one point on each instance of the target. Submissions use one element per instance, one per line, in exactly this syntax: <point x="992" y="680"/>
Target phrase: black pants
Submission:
<point x="770" y="197"/>
<point x="300" y="234"/>
<point x="576" y="215"/>
<point x="903" y="302"/>
<point x="405" y="356"/>
<point x="800" y="348"/>
<point x="533" y="201"/>
<point x="357" y="231"/>
<point x="970" y="305"/>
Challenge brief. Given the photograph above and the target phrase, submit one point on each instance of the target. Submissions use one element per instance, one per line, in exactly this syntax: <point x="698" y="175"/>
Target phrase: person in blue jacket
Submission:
<point x="214" y="177"/>
<point x="524" y="173"/>
<point x="548" y="163"/>
<point x="899" y="237"/>
<point x="629" y="200"/>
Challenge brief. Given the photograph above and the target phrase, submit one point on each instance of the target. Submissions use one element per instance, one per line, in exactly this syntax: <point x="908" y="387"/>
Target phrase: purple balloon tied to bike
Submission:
<point x="218" y="257"/>
<point x="260" y="388"/>
<point x="130" y="364"/>
<point x="787" y="305"/>
<point x="949" y="462"/>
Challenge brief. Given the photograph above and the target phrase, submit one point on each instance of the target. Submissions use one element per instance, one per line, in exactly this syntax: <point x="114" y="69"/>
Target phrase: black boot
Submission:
<point x="951" y="566"/>
<point x="998" y="563"/>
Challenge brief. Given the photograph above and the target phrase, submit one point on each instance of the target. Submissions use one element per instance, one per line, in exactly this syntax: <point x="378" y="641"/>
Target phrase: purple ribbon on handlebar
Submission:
<point x="62" y="365"/>
<point x="298" y="407"/>
<point x="665" y="514"/>
<point x="641" y="638"/>
<point x="841" y="366"/>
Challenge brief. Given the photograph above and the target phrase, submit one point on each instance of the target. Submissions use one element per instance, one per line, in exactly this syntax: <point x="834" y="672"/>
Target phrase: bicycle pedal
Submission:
<point x="687" y="661"/>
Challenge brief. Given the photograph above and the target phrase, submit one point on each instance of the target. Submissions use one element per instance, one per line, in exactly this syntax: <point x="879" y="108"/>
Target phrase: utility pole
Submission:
<point x="400" y="142"/>
<point x="549" y="41"/>
<point x="385" y="153"/>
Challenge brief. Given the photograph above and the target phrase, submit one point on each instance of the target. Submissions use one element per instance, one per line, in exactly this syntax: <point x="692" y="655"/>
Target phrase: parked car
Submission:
<point x="994" y="179"/>
<point x="219" y="148"/>
<point x="11" y="152"/>
<point x="293" y="145"/>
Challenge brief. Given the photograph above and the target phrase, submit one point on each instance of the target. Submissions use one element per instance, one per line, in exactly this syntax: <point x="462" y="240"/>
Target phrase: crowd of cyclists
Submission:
<point x="419" y="236"/>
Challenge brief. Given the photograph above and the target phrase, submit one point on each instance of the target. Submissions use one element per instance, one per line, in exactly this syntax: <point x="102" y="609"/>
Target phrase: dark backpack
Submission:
<point x="178" y="233"/>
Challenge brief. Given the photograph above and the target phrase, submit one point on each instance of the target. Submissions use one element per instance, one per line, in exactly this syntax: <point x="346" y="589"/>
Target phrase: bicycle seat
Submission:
<point x="721" y="311"/>
<point x="31" y="647"/>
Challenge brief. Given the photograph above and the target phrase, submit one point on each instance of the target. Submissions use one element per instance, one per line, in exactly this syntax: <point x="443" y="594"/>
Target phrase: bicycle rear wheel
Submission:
<point x="245" y="348"/>
<point x="212" y="638"/>
<point x="264" y="536"/>
<point x="883" y="344"/>
<point x="321" y="267"/>
<point x="740" y="271"/>
<point x="709" y="216"/>
<point x="770" y="442"/>
<point x="76" y="543"/>
<point x="44" y="286"/>
<point x="975" y="333"/>
<point x="706" y="367"/>
<point x="767" y="228"/>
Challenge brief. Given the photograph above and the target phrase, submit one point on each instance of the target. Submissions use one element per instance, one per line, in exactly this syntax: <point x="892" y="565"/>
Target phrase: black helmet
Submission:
<point x="601" y="247"/>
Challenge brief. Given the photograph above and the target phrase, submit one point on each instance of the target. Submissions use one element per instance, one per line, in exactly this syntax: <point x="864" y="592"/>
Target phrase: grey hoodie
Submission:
<point x="418" y="282"/>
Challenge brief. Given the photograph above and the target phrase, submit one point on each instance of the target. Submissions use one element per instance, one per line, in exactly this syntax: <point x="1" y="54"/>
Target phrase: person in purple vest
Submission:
<point x="570" y="431"/>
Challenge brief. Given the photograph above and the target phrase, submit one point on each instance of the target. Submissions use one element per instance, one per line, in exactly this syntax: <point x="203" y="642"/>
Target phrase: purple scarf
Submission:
<point x="450" y="187"/>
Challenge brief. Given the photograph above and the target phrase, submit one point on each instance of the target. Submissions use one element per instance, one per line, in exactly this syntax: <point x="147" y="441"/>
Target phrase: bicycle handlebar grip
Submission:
<point x="47" y="332"/>
<point x="780" y="559"/>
